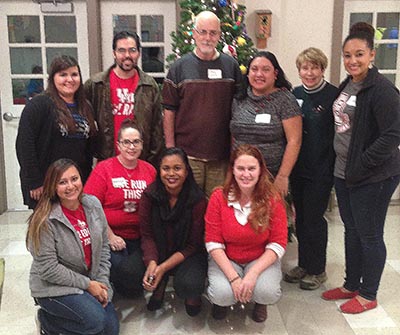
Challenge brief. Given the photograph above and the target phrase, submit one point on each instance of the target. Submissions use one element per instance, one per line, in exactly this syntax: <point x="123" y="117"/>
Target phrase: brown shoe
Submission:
<point x="259" y="313"/>
<point x="219" y="312"/>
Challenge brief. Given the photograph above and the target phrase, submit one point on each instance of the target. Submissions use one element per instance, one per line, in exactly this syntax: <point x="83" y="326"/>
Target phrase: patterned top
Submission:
<point x="257" y="120"/>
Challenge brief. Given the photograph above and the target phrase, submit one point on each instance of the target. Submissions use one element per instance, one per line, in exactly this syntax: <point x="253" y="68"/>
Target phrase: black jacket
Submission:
<point x="374" y="153"/>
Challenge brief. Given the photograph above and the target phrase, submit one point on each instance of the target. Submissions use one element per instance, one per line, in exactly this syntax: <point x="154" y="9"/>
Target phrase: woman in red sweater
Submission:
<point x="246" y="236"/>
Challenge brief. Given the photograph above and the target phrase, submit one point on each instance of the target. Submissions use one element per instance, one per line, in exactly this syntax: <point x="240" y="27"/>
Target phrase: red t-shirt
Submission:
<point x="78" y="221"/>
<point x="123" y="100"/>
<point x="119" y="191"/>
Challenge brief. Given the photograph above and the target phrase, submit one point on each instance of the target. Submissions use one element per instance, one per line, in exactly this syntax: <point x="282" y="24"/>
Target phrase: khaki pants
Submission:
<point x="208" y="174"/>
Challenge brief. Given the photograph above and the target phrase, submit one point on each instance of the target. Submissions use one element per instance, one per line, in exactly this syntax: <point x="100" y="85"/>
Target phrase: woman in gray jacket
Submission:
<point x="69" y="277"/>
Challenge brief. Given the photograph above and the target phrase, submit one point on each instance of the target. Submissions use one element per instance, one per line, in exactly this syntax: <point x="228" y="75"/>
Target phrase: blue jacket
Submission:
<point x="374" y="153"/>
<point x="59" y="268"/>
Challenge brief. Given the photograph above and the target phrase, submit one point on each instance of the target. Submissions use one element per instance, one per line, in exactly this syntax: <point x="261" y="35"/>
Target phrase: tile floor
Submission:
<point x="298" y="312"/>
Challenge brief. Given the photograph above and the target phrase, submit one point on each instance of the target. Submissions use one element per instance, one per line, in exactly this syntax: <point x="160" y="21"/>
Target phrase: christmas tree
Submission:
<point x="234" y="39"/>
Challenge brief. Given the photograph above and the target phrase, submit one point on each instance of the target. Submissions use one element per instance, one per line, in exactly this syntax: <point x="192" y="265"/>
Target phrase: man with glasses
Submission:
<point x="197" y="97"/>
<point x="125" y="91"/>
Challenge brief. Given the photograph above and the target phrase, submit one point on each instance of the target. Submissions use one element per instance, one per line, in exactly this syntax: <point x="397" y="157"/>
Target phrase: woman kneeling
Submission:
<point x="246" y="236"/>
<point x="172" y="227"/>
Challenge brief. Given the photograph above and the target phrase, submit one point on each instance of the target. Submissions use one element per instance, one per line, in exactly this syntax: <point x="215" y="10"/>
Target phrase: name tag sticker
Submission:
<point x="263" y="118"/>
<point x="352" y="101"/>
<point x="214" y="74"/>
<point x="300" y="102"/>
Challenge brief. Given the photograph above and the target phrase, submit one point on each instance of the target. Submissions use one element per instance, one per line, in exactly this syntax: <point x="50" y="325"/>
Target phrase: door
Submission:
<point x="153" y="21"/>
<point x="31" y="39"/>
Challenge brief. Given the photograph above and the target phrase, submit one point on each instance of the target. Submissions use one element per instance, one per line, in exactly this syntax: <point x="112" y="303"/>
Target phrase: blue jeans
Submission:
<point x="363" y="211"/>
<point x="127" y="269"/>
<point x="77" y="314"/>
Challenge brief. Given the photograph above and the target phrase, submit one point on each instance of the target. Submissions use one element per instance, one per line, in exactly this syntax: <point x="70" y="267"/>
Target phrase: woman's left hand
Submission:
<point x="153" y="276"/>
<point x="246" y="289"/>
<point x="282" y="184"/>
<point x="99" y="291"/>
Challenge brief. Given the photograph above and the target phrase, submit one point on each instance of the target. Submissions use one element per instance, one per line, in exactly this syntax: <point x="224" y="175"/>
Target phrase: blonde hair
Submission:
<point x="314" y="56"/>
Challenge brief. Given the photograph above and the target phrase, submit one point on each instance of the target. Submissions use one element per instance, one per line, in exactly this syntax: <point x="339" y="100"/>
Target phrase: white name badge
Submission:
<point x="263" y="118"/>
<point x="352" y="101"/>
<point x="214" y="74"/>
<point x="300" y="102"/>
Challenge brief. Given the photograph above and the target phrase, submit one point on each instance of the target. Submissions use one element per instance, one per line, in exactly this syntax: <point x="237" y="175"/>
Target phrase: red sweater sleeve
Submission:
<point x="278" y="224"/>
<point x="213" y="219"/>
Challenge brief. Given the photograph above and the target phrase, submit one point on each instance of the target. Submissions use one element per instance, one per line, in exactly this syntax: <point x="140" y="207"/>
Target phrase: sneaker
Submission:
<point x="295" y="275"/>
<point x="312" y="282"/>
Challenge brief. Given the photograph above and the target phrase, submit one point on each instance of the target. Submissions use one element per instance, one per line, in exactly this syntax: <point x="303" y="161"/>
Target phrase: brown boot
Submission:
<point x="259" y="313"/>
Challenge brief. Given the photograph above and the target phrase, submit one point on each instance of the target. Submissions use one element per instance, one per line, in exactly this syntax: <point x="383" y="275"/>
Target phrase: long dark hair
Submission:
<point x="64" y="115"/>
<point x="38" y="219"/>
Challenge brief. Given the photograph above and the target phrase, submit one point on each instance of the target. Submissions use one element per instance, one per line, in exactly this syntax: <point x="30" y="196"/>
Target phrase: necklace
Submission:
<point x="126" y="168"/>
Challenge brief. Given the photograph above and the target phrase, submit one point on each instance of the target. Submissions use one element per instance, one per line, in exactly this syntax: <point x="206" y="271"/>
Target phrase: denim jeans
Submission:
<point x="77" y="314"/>
<point x="311" y="198"/>
<point x="363" y="211"/>
<point x="127" y="269"/>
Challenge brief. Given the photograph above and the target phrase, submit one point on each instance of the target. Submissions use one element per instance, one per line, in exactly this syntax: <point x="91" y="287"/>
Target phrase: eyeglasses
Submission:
<point x="127" y="143"/>
<point x="203" y="32"/>
<point x="123" y="51"/>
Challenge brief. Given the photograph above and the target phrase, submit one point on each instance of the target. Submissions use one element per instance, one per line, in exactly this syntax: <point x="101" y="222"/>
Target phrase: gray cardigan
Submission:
<point x="59" y="268"/>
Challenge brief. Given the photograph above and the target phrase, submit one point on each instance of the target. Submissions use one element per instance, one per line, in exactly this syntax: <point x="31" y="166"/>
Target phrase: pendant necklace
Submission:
<point x="126" y="169"/>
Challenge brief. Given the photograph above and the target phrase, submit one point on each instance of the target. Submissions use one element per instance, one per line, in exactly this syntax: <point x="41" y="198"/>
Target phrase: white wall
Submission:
<point x="296" y="25"/>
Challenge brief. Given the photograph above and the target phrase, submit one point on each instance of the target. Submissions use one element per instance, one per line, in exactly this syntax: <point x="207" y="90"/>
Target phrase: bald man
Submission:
<point x="197" y="97"/>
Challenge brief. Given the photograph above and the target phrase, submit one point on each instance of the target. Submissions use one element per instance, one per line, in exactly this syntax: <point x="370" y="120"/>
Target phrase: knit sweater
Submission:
<point x="242" y="243"/>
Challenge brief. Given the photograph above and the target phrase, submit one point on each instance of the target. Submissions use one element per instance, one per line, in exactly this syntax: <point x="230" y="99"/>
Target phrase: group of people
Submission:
<point x="197" y="191"/>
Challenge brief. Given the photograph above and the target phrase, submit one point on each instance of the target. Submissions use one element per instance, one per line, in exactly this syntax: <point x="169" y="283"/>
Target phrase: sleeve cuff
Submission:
<point x="210" y="246"/>
<point x="277" y="248"/>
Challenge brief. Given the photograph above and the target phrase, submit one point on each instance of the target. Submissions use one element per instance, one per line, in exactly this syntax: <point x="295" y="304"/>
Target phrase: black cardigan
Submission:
<point x="35" y="145"/>
<point x="373" y="153"/>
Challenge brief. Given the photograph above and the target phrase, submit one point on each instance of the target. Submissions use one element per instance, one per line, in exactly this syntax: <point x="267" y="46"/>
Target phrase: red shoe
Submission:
<point x="353" y="306"/>
<point x="337" y="294"/>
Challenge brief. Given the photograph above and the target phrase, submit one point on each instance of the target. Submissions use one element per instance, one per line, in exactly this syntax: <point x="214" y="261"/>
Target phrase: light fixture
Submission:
<point x="55" y="6"/>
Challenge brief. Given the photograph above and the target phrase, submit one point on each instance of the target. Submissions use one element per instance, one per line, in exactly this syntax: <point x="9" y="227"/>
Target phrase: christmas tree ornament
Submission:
<point x="230" y="50"/>
<point x="241" y="41"/>
<point x="222" y="3"/>
<point x="243" y="69"/>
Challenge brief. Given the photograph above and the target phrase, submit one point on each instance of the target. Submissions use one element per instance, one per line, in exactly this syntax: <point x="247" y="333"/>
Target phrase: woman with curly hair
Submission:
<point x="246" y="236"/>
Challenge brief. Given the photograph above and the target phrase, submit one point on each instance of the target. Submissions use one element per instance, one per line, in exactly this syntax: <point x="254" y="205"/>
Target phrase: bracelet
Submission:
<point x="233" y="279"/>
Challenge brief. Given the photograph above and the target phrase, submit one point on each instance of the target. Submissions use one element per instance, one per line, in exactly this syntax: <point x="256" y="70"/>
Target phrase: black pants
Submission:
<point x="311" y="200"/>
<point x="190" y="276"/>
<point x="127" y="269"/>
